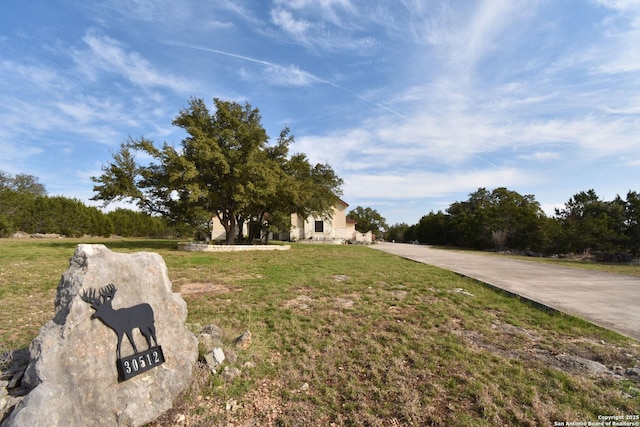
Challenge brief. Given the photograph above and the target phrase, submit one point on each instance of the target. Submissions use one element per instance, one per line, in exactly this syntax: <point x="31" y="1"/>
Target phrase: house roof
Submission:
<point x="346" y="205"/>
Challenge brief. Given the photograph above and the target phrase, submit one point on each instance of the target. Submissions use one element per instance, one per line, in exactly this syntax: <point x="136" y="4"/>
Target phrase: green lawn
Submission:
<point x="353" y="336"/>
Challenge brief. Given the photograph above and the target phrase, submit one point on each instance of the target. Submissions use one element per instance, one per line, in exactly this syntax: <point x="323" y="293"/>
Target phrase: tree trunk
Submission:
<point x="229" y="224"/>
<point x="231" y="232"/>
<point x="240" y="224"/>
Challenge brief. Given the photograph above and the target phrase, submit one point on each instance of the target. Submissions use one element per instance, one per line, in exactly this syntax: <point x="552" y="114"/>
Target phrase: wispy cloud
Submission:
<point x="295" y="27"/>
<point x="278" y="74"/>
<point x="419" y="184"/>
<point x="289" y="75"/>
<point x="331" y="11"/>
<point x="621" y="5"/>
<point x="107" y="55"/>
<point x="632" y="163"/>
<point x="325" y="26"/>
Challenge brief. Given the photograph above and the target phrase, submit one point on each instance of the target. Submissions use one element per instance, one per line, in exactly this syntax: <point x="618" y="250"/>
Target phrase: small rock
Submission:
<point x="180" y="418"/>
<point x="7" y="404"/>
<point x="207" y="342"/>
<point x="399" y="295"/>
<point x="213" y="330"/>
<point x="249" y="365"/>
<point x="231" y="406"/>
<point x="214" y="359"/>
<point x="17" y="377"/>
<point x="231" y="356"/>
<point x="211" y="362"/>
<point x="244" y="340"/>
<point x="633" y="372"/>
<point x="581" y="364"/>
<point x="462" y="291"/>
<point x="229" y="374"/>
<point x="304" y="387"/>
<point x="344" y="303"/>
<point x="218" y="355"/>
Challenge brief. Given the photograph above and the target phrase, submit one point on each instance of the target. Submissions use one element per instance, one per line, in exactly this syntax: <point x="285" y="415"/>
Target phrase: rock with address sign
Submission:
<point x="116" y="353"/>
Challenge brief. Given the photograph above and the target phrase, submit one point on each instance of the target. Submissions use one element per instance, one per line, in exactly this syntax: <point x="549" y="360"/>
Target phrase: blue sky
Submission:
<point x="414" y="103"/>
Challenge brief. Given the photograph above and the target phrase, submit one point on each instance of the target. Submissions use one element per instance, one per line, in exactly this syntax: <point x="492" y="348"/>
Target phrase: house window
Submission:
<point x="319" y="226"/>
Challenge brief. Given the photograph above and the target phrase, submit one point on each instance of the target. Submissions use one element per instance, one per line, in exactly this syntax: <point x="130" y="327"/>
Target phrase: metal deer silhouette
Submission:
<point x="124" y="320"/>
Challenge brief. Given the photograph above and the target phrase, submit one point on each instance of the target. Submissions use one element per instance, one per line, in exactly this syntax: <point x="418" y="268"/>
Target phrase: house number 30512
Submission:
<point x="141" y="362"/>
<point x="138" y="363"/>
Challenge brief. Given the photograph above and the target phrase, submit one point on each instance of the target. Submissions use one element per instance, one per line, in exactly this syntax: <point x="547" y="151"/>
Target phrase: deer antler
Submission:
<point x="108" y="292"/>
<point x="90" y="297"/>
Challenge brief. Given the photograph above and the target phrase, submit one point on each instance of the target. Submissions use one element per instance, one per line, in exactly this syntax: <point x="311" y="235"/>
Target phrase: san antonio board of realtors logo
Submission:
<point x="123" y="321"/>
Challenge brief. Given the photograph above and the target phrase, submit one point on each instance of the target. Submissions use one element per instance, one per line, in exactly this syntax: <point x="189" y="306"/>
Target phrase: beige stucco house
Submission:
<point x="334" y="229"/>
<point x="218" y="232"/>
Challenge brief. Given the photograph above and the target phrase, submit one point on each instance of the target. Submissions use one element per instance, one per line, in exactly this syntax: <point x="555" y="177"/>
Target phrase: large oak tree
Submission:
<point x="224" y="167"/>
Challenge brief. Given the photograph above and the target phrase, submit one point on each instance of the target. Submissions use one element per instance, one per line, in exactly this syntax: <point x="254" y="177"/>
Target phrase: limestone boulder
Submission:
<point x="72" y="371"/>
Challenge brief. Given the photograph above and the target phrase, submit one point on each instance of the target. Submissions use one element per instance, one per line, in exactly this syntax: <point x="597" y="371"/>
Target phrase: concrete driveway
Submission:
<point x="604" y="299"/>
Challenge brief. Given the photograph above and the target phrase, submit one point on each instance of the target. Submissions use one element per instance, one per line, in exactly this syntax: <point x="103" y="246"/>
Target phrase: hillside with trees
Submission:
<point x="503" y="219"/>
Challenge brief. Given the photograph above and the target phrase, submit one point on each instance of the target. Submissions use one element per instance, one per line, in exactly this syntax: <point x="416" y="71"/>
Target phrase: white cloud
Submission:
<point x="328" y="10"/>
<point x="621" y="5"/>
<point x="487" y="23"/>
<point x="39" y="76"/>
<point x="218" y="25"/>
<point x="285" y="20"/>
<point x="12" y="153"/>
<point x="290" y="76"/>
<point x="324" y="26"/>
<point x="90" y="110"/>
<point x="415" y="184"/>
<point x="108" y="56"/>
<point x="276" y="74"/>
<point x="156" y="11"/>
<point x="541" y="156"/>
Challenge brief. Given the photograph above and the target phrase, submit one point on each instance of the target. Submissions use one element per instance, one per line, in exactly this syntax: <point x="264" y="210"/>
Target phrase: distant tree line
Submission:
<point x="25" y="206"/>
<point x="503" y="219"/>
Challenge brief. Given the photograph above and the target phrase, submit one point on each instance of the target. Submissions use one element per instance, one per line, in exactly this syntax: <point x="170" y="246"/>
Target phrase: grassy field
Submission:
<point x="353" y="336"/>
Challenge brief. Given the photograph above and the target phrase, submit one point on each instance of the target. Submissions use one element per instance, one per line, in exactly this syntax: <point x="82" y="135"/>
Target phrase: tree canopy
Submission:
<point x="500" y="218"/>
<point x="505" y="219"/>
<point x="368" y="219"/>
<point x="22" y="183"/>
<point x="224" y="167"/>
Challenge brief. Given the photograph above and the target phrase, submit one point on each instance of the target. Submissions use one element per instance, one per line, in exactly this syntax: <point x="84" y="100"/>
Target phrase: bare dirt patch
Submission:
<point x="585" y="357"/>
<point x="205" y="288"/>
<point x="302" y="302"/>
<point x="305" y="302"/>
